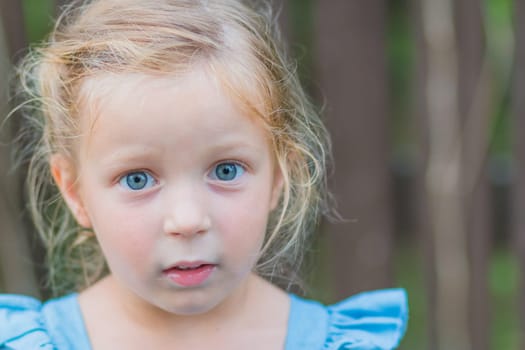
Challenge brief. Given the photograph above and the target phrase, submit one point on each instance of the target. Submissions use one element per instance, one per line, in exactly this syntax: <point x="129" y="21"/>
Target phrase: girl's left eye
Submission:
<point x="137" y="181"/>
<point x="227" y="171"/>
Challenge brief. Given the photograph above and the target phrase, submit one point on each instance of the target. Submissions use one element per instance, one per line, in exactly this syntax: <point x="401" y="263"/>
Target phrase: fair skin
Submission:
<point x="177" y="183"/>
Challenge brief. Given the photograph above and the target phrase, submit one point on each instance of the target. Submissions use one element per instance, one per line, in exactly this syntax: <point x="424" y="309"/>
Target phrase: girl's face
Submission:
<point x="177" y="185"/>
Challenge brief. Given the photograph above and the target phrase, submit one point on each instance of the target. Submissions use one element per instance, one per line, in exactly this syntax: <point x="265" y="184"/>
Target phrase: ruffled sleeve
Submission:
<point x="368" y="321"/>
<point x="22" y="325"/>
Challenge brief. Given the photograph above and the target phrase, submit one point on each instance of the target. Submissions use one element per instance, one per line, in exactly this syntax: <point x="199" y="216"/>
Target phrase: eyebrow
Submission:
<point x="235" y="145"/>
<point x="138" y="154"/>
<point x="129" y="154"/>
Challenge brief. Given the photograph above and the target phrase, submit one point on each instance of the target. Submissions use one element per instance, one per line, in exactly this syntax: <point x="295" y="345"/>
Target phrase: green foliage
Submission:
<point x="301" y="27"/>
<point x="38" y="18"/>
<point x="503" y="276"/>
<point x="500" y="45"/>
<point x="401" y="59"/>
<point x="410" y="275"/>
<point x="503" y="280"/>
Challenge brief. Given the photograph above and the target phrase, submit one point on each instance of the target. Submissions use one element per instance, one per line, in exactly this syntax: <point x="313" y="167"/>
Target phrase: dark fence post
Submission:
<point x="475" y="110"/>
<point x="518" y="105"/>
<point x="13" y="28"/>
<point x="351" y="55"/>
<point x="15" y="257"/>
<point x="421" y="216"/>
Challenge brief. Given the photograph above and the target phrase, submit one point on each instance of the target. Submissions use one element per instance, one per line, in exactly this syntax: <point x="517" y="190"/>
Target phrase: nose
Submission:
<point x="187" y="213"/>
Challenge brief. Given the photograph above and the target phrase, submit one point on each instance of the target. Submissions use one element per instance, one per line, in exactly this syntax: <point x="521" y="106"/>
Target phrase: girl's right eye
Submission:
<point x="137" y="181"/>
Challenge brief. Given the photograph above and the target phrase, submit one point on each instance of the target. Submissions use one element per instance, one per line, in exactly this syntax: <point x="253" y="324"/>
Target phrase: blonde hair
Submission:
<point x="239" y="43"/>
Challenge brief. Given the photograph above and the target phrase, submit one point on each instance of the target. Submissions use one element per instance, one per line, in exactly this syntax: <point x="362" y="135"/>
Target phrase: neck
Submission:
<point x="109" y="294"/>
<point x="257" y="310"/>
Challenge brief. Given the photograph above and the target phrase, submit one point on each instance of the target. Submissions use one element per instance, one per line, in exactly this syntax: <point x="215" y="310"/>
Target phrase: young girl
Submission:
<point x="191" y="171"/>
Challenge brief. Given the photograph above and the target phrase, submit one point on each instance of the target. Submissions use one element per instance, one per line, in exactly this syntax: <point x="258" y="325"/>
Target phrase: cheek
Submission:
<point x="242" y="219"/>
<point x="124" y="233"/>
<point x="128" y="249"/>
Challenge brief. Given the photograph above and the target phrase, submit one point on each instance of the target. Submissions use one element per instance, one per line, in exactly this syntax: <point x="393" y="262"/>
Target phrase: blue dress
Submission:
<point x="367" y="321"/>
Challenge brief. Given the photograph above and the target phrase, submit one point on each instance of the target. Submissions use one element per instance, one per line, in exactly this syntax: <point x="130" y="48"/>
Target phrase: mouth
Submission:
<point x="189" y="274"/>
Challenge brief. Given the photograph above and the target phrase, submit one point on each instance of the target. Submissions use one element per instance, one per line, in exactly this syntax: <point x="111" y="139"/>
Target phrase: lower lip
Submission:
<point x="190" y="277"/>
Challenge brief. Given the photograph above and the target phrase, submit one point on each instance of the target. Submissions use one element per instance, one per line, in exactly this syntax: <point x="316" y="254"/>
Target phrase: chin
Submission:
<point x="189" y="309"/>
<point x="187" y="305"/>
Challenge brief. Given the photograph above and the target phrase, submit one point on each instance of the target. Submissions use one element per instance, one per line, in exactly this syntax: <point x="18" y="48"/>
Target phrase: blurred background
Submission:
<point x="425" y="101"/>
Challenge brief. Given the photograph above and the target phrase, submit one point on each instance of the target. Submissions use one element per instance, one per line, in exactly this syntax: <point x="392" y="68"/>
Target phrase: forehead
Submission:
<point x="164" y="111"/>
<point x="105" y="91"/>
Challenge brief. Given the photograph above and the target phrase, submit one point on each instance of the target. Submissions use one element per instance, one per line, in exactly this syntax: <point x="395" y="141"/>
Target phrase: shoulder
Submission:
<point x="21" y="323"/>
<point x="367" y="321"/>
<point x="27" y="323"/>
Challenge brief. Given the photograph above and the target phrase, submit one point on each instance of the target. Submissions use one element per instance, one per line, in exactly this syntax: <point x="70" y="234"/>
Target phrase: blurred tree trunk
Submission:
<point x="475" y="112"/>
<point x="11" y="14"/>
<point x="518" y="104"/>
<point x="462" y="53"/>
<point x="350" y="47"/>
<point x="15" y="257"/>
<point x="422" y="215"/>
<point x="445" y="174"/>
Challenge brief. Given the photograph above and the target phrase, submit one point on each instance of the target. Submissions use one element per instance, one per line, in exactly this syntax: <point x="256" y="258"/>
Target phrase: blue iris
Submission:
<point x="137" y="181"/>
<point x="228" y="171"/>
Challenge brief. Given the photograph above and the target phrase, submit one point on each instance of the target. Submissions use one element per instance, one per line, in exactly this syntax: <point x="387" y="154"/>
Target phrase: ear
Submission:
<point x="63" y="172"/>
<point x="277" y="189"/>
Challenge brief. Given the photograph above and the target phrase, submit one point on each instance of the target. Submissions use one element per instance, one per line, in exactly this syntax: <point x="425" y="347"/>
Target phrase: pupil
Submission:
<point x="226" y="171"/>
<point x="137" y="181"/>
